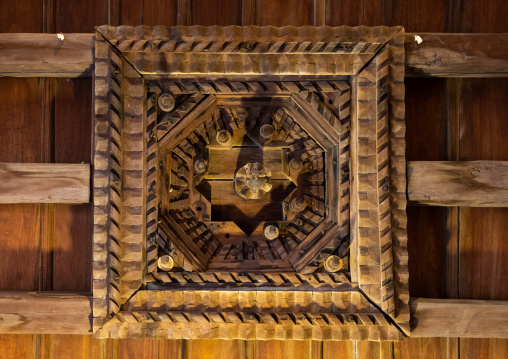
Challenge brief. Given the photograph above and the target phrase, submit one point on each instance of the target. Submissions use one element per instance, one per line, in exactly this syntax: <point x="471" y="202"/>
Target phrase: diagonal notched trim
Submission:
<point x="248" y="51"/>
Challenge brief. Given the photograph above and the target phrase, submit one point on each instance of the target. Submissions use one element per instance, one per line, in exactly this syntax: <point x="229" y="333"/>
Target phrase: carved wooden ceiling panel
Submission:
<point x="249" y="182"/>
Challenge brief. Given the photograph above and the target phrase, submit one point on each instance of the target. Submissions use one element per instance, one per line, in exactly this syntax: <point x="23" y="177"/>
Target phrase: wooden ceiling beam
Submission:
<point x="458" y="318"/>
<point x="46" y="55"/>
<point x="456" y="55"/>
<point x="465" y="184"/>
<point x="44" y="183"/>
<point x="438" y="54"/>
<point x="45" y="312"/>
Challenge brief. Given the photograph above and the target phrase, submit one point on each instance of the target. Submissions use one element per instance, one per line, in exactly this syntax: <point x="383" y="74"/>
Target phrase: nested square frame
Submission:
<point x="302" y="65"/>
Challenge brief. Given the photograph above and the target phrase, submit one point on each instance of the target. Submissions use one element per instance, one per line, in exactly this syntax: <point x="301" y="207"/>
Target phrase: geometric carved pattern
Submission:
<point x="145" y="195"/>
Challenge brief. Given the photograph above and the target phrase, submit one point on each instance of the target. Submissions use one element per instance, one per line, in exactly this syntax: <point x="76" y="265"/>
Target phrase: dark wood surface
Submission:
<point x="454" y="253"/>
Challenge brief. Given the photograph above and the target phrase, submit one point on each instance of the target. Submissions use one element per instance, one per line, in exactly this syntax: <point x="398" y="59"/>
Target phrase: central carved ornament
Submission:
<point x="253" y="181"/>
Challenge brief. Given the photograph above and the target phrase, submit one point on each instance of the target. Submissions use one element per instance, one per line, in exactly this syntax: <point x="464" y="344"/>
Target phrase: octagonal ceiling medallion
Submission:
<point x="250" y="183"/>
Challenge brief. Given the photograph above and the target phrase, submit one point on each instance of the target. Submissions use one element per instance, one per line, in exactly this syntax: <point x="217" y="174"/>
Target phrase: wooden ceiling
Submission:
<point x="455" y="252"/>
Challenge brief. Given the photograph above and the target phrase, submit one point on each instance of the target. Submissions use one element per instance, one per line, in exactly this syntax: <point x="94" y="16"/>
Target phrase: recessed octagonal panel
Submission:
<point x="243" y="168"/>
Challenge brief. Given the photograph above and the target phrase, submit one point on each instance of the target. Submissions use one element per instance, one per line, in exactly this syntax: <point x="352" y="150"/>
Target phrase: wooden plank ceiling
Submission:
<point x="455" y="252"/>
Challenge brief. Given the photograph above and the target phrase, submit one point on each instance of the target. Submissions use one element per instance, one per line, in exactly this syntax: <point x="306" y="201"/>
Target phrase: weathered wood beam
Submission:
<point x="45" y="312"/>
<point x="44" y="183"/>
<point x="45" y="55"/>
<point x="465" y="184"/>
<point x="443" y="55"/>
<point x="458" y="318"/>
<point x="457" y="55"/>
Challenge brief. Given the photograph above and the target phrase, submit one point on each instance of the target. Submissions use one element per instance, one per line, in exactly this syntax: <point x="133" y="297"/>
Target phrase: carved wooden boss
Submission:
<point x="249" y="182"/>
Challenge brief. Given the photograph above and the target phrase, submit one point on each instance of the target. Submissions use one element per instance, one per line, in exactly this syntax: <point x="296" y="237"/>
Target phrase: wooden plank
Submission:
<point x="457" y="55"/>
<point x="44" y="183"/>
<point x="73" y="224"/>
<point x="442" y="55"/>
<point x="466" y="184"/>
<point x="459" y="318"/>
<point x="21" y="122"/>
<point x="45" y="55"/>
<point x="213" y="12"/>
<point x="282" y="12"/>
<point x="45" y="312"/>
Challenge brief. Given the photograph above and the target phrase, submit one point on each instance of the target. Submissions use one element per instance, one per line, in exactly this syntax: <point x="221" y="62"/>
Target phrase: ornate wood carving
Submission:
<point x="179" y="111"/>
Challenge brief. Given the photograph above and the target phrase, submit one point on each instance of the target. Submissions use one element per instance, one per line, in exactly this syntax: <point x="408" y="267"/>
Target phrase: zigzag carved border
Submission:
<point x="380" y="170"/>
<point x="107" y="181"/>
<point x="248" y="50"/>
<point x="397" y="150"/>
<point x="245" y="87"/>
<point x="119" y="167"/>
<point x="261" y="326"/>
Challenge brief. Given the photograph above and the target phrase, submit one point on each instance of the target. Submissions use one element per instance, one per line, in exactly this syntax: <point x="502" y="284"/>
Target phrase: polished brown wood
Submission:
<point x="424" y="137"/>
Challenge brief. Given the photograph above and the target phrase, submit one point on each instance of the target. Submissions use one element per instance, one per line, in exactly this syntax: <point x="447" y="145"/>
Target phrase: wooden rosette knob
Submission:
<point x="166" y="102"/>
<point x="333" y="264"/>
<point x="165" y="263"/>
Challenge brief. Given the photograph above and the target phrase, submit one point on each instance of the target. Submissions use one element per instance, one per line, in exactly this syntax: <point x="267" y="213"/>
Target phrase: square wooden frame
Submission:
<point x="374" y="306"/>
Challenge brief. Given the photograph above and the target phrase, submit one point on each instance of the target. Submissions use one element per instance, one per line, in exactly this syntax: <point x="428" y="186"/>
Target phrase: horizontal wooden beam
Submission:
<point x="457" y="55"/>
<point x="465" y="184"/>
<point x="46" y="55"/>
<point x="44" y="183"/>
<point x="443" y="55"/>
<point x="45" y="312"/>
<point x="458" y="318"/>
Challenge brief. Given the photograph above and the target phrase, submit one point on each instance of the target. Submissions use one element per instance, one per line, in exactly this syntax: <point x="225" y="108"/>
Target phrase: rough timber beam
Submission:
<point x="45" y="312"/>
<point x="466" y="184"/>
<point x="458" y="318"/>
<point x="457" y="55"/>
<point x="45" y="55"/>
<point x="441" y="55"/>
<point x="44" y="183"/>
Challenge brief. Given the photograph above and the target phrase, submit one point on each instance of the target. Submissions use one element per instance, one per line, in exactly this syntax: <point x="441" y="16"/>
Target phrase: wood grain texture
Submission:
<point x="466" y="184"/>
<point x="457" y="55"/>
<point x="459" y="318"/>
<point x="63" y="346"/>
<point x="44" y="183"/>
<point x="73" y="224"/>
<point x="18" y="346"/>
<point x="163" y="12"/>
<point x="216" y="12"/>
<point x="345" y="12"/>
<point x="282" y="13"/>
<point x="45" y="55"/>
<point x="52" y="313"/>
<point x="472" y="16"/>
<point x="80" y="17"/>
<point x="21" y="140"/>
<point x="427" y="348"/>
